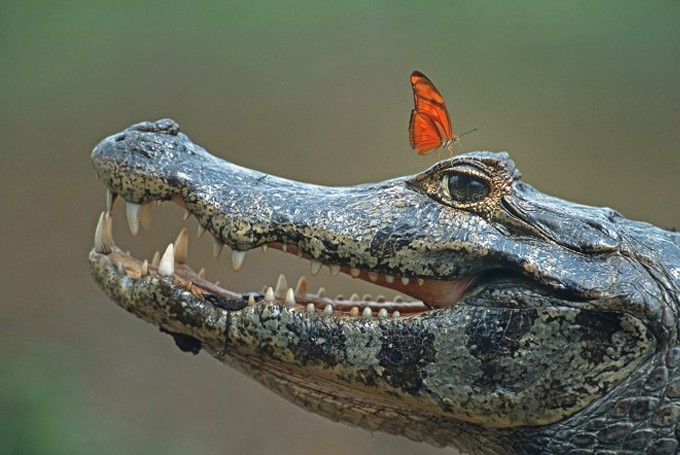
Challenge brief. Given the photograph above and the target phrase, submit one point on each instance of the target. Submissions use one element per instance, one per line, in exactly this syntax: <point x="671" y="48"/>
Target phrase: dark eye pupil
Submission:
<point x="466" y="188"/>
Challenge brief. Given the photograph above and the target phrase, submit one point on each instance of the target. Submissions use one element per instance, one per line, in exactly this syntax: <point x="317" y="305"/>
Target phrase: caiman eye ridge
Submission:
<point x="172" y="263"/>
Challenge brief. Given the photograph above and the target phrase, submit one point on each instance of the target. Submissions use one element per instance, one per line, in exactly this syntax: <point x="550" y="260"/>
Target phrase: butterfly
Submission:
<point x="430" y="125"/>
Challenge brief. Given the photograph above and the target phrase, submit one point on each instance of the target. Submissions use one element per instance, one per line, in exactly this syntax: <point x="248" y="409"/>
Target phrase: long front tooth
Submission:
<point x="328" y="310"/>
<point x="290" y="298"/>
<point x="264" y="248"/>
<point x="301" y="287"/>
<point x="132" y="211"/>
<point x="396" y="314"/>
<point x="200" y="231"/>
<point x="382" y="313"/>
<point x="251" y="300"/>
<point x="217" y="247"/>
<point x="269" y="295"/>
<point x="144" y="271"/>
<point x="110" y="198"/>
<point x="404" y="280"/>
<point x="237" y="259"/>
<point x="182" y="246"/>
<point x="335" y="269"/>
<point x="367" y="313"/>
<point x="315" y="267"/>
<point x="354" y="311"/>
<point x="281" y="285"/>
<point x="145" y="216"/>
<point x="311" y="308"/>
<point x="102" y="239"/>
<point x="373" y="276"/>
<point x="321" y="293"/>
<point x="167" y="265"/>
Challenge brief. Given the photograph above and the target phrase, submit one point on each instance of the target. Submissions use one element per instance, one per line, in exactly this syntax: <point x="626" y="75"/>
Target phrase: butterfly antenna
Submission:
<point x="469" y="131"/>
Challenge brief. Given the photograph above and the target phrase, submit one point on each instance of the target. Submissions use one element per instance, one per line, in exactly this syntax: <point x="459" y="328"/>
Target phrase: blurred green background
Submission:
<point x="585" y="95"/>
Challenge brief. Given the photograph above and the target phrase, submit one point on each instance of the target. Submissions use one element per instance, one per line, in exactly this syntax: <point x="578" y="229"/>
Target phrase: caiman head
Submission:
<point x="532" y="323"/>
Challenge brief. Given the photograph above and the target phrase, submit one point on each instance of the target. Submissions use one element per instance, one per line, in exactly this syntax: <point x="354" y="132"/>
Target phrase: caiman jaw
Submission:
<point x="428" y="294"/>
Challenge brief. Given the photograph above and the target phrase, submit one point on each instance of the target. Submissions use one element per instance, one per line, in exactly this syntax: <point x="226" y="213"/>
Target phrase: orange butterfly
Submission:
<point x="430" y="125"/>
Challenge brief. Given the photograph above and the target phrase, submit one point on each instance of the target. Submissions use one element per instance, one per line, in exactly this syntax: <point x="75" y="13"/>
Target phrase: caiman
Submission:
<point x="533" y="324"/>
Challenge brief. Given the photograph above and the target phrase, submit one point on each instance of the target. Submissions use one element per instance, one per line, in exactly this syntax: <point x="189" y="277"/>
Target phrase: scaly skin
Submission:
<point x="552" y="326"/>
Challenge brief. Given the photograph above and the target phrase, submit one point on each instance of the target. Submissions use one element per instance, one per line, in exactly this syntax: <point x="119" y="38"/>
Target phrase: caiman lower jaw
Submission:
<point x="427" y="294"/>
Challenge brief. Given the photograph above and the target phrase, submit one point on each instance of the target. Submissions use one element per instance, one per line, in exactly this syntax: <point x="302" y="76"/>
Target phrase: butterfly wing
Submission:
<point x="428" y="101"/>
<point x="423" y="134"/>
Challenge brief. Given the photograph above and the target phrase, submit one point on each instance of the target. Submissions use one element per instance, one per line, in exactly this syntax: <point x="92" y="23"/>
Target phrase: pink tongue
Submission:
<point x="434" y="293"/>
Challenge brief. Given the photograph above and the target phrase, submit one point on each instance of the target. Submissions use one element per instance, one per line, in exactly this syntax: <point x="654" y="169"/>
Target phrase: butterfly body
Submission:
<point x="430" y="125"/>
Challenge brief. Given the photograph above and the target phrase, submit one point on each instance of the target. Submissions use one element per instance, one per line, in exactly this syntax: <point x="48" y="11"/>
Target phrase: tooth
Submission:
<point x="339" y="297"/>
<point x="367" y="298"/>
<point x="167" y="265"/>
<point x="380" y="298"/>
<point x="315" y="266"/>
<point x="301" y="287"/>
<point x="311" y="308"/>
<point x="217" y="283"/>
<point x="389" y="278"/>
<point x="110" y="197"/>
<point x="132" y="211"/>
<point x="404" y="280"/>
<point x="284" y="247"/>
<point x="251" y="300"/>
<point x="281" y="285"/>
<point x="367" y="313"/>
<point x="156" y="259"/>
<point x="335" y="269"/>
<point x="396" y="314"/>
<point x="145" y="216"/>
<point x="382" y="313"/>
<point x="328" y="310"/>
<point x="121" y="269"/>
<point x="290" y="298"/>
<point x="102" y="234"/>
<point x="186" y="215"/>
<point x="217" y="247"/>
<point x="158" y="203"/>
<point x="420" y="281"/>
<point x="237" y="259"/>
<point x="269" y="295"/>
<point x="354" y="311"/>
<point x="144" y="271"/>
<point x="398" y="299"/>
<point x="321" y="292"/>
<point x="354" y="297"/>
<point x="354" y="272"/>
<point x="264" y="248"/>
<point x="200" y="232"/>
<point x="201" y="273"/>
<point x="181" y="246"/>
<point x="373" y="276"/>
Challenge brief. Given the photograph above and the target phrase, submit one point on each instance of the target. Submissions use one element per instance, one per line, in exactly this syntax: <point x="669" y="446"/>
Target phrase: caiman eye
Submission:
<point x="465" y="188"/>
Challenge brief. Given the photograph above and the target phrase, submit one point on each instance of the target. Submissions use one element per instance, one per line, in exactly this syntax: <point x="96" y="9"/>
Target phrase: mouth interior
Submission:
<point x="422" y="294"/>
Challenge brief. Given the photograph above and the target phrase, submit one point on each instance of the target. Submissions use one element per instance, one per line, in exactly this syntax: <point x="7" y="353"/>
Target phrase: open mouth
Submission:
<point x="422" y="294"/>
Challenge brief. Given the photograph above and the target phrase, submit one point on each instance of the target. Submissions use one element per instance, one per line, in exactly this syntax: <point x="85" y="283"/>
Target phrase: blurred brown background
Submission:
<point x="585" y="95"/>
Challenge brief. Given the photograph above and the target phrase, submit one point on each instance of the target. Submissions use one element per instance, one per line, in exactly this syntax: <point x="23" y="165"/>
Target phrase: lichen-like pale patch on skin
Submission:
<point x="566" y="341"/>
